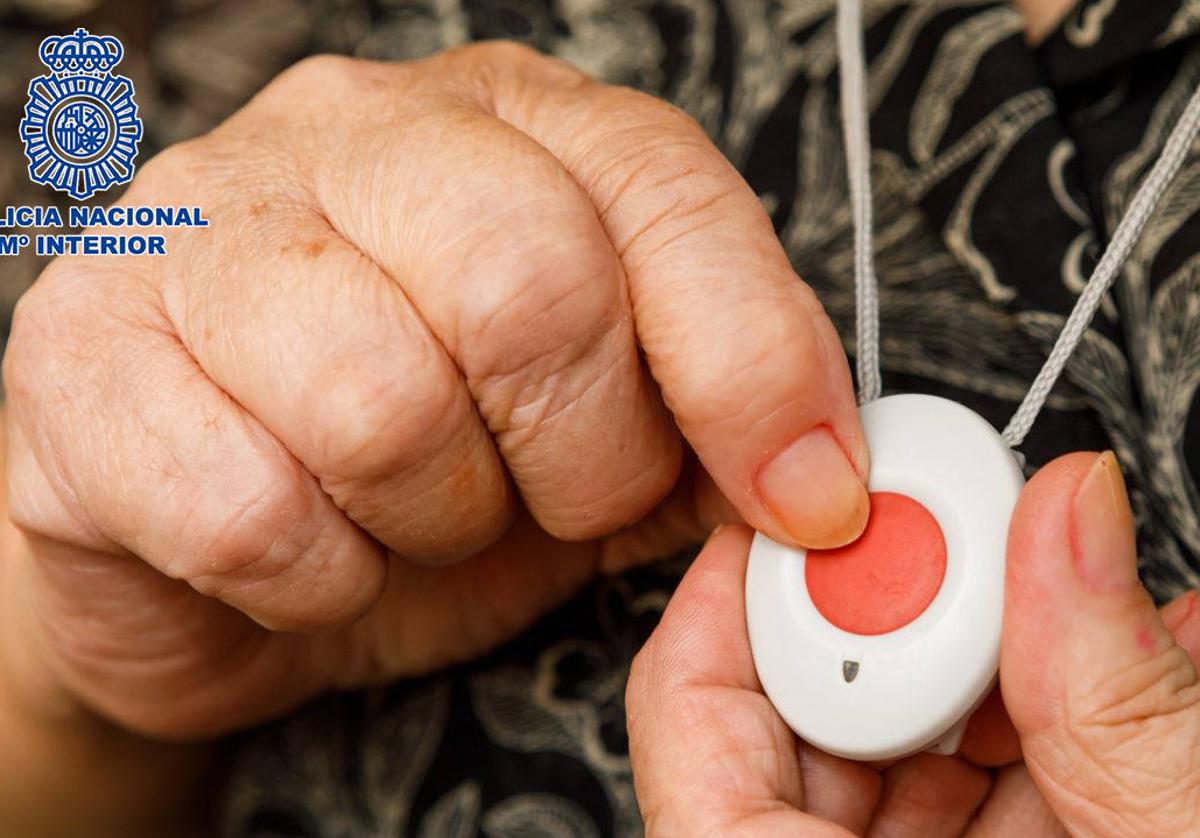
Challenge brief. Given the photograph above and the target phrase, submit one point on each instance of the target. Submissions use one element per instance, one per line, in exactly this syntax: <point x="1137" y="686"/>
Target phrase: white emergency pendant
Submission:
<point x="883" y="648"/>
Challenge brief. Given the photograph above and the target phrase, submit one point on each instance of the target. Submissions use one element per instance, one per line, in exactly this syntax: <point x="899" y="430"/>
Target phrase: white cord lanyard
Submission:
<point x="852" y="69"/>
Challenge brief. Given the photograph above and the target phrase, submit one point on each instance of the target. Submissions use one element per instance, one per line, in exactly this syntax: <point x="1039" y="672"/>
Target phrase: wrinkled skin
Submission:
<point x="388" y="409"/>
<point x="432" y="367"/>
<point x="1095" y="729"/>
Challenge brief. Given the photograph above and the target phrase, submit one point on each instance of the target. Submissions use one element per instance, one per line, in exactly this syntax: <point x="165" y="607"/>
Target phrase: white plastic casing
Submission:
<point x="914" y="686"/>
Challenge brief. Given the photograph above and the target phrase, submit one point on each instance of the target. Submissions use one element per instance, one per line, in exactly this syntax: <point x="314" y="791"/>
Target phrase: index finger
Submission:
<point x="747" y="359"/>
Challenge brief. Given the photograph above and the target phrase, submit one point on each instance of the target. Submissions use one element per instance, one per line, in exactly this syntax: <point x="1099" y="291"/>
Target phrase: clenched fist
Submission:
<point x="437" y="360"/>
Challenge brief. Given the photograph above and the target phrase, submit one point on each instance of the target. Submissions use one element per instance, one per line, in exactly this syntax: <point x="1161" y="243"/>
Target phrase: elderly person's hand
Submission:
<point x="1104" y="737"/>
<point x="442" y="355"/>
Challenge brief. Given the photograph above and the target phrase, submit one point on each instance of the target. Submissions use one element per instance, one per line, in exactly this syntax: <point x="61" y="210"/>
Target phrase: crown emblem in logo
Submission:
<point x="81" y="54"/>
<point x="81" y="129"/>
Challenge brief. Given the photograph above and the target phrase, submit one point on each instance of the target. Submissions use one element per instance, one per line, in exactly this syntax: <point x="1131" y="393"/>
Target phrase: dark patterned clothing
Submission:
<point x="999" y="170"/>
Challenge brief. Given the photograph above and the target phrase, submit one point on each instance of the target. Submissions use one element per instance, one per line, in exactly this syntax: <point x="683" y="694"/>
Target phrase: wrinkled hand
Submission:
<point x="289" y="455"/>
<point x="1104" y="737"/>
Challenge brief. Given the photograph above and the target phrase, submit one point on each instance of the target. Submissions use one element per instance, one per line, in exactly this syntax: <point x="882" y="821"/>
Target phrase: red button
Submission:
<point x="885" y="579"/>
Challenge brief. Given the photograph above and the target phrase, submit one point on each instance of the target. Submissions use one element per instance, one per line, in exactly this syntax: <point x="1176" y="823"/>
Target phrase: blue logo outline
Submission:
<point x="81" y="127"/>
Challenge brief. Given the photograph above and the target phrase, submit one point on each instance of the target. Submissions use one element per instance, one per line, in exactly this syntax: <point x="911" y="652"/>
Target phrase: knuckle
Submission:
<point x="489" y="60"/>
<point x="561" y="297"/>
<point x="317" y="74"/>
<point x="303" y="94"/>
<point x="1152" y="687"/>
<point x="367" y="425"/>
<point x="245" y="528"/>
<point x="502" y="51"/>
<point x="500" y="76"/>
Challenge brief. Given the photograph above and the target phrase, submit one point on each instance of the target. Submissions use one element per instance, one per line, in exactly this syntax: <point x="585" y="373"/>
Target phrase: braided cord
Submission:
<point x="852" y="72"/>
<point x="1148" y="194"/>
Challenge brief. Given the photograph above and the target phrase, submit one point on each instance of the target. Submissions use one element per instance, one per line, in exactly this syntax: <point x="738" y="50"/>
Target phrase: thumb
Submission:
<point x="1105" y="700"/>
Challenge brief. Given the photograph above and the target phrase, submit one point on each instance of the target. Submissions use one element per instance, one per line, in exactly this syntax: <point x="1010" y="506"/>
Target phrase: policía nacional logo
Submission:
<point x="81" y="129"/>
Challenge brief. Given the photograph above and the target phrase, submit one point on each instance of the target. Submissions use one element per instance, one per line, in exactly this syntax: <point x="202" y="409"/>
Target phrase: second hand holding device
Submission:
<point x="884" y="647"/>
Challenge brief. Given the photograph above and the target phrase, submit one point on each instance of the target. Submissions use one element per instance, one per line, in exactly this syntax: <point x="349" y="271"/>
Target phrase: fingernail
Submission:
<point x="1104" y="549"/>
<point x="814" y="492"/>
